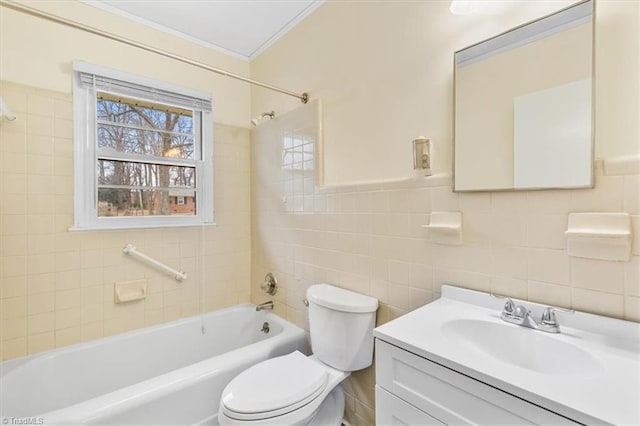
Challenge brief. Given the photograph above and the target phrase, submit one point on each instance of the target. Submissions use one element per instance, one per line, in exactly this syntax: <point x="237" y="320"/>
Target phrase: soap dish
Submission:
<point x="604" y="236"/>
<point x="446" y="228"/>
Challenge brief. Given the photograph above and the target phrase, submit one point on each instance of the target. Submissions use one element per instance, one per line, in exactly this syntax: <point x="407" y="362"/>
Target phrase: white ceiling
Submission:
<point x="243" y="28"/>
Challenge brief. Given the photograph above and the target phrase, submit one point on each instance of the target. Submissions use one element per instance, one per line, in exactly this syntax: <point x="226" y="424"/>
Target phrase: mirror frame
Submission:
<point x="593" y="101"/>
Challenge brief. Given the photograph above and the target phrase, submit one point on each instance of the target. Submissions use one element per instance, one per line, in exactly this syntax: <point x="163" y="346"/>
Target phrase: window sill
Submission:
<point x="132" y="227"/>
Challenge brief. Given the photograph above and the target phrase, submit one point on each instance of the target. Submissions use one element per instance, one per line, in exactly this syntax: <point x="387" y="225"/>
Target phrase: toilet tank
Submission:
<point x="341" y="326"/>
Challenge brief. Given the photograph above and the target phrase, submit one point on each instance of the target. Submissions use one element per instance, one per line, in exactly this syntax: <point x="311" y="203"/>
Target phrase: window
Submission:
<point x="142" y="148"/>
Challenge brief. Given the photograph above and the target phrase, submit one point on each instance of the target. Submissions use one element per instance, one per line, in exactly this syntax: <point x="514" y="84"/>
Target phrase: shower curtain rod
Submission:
<point x="304" y="97"/>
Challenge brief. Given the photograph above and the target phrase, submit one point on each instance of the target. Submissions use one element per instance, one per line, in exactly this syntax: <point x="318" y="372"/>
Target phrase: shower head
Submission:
<point x="256" y="120"/>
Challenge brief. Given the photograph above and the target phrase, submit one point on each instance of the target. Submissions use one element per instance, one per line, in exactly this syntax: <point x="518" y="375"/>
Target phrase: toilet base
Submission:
<point x="331" y="410"/>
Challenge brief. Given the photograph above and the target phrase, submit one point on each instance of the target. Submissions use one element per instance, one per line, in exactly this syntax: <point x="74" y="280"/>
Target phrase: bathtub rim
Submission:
<point x="10" y="365"/>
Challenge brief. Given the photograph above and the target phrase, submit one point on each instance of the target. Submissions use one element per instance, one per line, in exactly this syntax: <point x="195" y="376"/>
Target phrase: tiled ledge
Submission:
<point x="438" y="179"/>
<point x="625" y="165"/>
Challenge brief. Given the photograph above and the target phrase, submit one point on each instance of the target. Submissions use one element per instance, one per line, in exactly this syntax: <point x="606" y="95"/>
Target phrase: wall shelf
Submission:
<point x="604" y="236"/>
<point x="446" y="228"/>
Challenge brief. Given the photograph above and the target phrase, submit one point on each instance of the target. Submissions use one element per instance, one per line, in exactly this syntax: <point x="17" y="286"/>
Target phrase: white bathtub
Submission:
<point x="173" y="373"/>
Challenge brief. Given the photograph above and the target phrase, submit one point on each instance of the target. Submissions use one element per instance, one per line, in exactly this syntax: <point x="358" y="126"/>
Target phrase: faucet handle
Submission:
<point x="549" y="315"/>
<point x="270" y="285"/>
<point x="509" y="305"/>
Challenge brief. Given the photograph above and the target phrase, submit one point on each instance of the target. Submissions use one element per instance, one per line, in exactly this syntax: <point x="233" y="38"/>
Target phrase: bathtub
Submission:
<point x="172" y="373"/>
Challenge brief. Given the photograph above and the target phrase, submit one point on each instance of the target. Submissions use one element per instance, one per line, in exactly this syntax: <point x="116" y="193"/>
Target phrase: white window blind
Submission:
<point x="134" y="90"/>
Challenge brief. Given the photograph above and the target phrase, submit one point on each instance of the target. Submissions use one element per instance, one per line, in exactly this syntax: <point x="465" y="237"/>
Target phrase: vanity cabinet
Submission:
<point x="414" y="390"/>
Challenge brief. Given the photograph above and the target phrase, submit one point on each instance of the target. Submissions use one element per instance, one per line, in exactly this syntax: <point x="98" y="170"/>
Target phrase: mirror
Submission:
<point x="523" y="106"/>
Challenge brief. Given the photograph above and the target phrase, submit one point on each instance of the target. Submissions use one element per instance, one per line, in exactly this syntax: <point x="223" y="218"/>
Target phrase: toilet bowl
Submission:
<point x="295" y="389"/>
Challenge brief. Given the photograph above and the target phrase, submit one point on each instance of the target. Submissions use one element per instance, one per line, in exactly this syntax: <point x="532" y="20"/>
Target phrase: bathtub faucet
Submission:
<point x="266" y="305"/>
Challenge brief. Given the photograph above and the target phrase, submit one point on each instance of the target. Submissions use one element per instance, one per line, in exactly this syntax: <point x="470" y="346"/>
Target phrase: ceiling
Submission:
<point x="242" y="28"/>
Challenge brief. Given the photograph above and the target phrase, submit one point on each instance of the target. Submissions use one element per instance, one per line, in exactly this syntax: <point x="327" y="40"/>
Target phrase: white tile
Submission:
<point x="420" y="201"/>
<point x="398" y="225"/>
<point x="398" y="249"/>
<point x="510" y="262"/>
<point x="461" y="278"/>
<point x="421" y="277"/>
<point x="551" y="266"/>
<point x="419" y="298"/>
<point x="555" y="201"/>
<point x="632" y="308"/>
<point x="546" y="231"/>
<point x="632" y="277"/>
<point x="362" y="202"/>
<point x="598" y="303"/>
<point x="379" y="201"/>
<point x="380" y="224"/>
<point x="608" y="195"/>
<point x="477" y="227"/>
<point x="447" y="256"/>
<point x="380" y="269"/>
<point x="510" y="287"/>
<point x="40" y="105"/>
<point x="399" y="201"/>
<point x="599" y="275"/>
<point x="635" y="230"/>
<point x="632" y="194"/>
<point x="508" y="230"/>
<point x="475" y="202"/>
<point x="40" y="145"/>
<point x="476" y="259"/>
<point x="549" y="294"/>
<point x="625" y="165"/>
<point x="39" y="125"/>
<point x="416" y="222"/>
<point x="443" y="199"/>
<point x="399" y="296"/>
<point x="399" y="272"/>
<point x="418" y="250"/>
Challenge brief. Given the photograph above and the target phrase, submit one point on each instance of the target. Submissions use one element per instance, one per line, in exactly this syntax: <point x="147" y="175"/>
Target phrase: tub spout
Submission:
<point x="266" y="305"/>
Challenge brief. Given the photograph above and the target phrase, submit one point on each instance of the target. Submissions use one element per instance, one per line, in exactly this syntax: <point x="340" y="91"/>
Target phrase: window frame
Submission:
<point x="86" y="155"/>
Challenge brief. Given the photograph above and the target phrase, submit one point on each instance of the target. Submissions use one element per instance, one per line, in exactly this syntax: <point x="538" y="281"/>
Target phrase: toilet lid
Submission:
<point x="274" y="387"/>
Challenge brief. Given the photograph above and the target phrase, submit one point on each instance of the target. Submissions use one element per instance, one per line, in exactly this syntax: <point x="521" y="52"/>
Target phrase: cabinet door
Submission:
<point x="451" y="397"/>
<point x="391" y="410"/>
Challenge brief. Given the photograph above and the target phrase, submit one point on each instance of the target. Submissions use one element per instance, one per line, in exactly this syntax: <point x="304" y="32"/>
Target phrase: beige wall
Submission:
<point x="617" y="82"/>
<point x="384" y="73"/>
<point x="39" y="53"/>
<point x="56" y="287"/>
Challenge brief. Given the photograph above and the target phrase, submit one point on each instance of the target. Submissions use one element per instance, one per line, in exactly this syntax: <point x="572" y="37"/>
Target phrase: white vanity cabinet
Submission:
<point x="413" y="390"/>
<point x="455" y="361"/>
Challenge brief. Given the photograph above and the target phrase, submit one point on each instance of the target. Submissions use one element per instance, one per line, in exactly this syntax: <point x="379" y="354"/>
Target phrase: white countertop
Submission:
<point x="608" y="393"/>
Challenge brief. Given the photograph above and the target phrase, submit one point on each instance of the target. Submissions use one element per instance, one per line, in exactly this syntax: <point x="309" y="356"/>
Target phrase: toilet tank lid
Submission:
<point x="340" y="299"/>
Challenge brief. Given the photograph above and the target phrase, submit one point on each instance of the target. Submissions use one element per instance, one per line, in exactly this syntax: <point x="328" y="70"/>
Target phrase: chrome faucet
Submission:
<point x="266" y="305"/>
<point x="519" y="315"/>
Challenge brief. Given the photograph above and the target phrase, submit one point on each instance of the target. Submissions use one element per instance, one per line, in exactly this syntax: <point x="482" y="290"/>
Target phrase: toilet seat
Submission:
<point x="274" y="388"/>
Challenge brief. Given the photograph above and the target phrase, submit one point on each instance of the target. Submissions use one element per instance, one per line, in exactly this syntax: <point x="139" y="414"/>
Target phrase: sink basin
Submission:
<point x="522" y="347"/>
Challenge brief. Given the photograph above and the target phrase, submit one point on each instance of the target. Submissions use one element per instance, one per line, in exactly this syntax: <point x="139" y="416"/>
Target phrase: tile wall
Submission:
<point x="56" y="287"/>
<point x="368" y="238"/>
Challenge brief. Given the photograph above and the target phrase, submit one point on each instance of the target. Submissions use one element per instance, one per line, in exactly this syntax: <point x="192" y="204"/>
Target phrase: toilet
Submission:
<point x="295" y="389"/>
